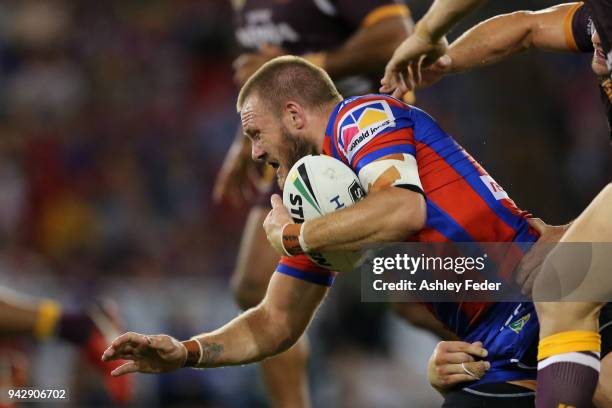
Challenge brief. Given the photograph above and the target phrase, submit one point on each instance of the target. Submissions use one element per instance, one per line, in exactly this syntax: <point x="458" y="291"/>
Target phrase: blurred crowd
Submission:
<point x="114" y="119"/>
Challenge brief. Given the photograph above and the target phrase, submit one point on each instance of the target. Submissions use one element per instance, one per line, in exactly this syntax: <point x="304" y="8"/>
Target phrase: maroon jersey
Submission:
<point x="579" y="28"/>
<point x="310" y="26"/>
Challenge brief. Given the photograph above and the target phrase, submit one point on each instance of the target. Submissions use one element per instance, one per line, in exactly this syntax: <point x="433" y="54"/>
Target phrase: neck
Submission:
<point x="321" y="126"/>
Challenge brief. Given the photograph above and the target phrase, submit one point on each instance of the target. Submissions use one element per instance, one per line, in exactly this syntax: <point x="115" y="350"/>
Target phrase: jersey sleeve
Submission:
<point x="369" y="12"/>
<point x="300" y="267"/>
<point x="578" y="28"/>
<point x="365" y="130"/>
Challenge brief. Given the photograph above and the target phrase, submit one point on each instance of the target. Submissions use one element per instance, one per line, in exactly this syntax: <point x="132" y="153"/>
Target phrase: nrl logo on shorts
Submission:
<point x="517" y="325"/>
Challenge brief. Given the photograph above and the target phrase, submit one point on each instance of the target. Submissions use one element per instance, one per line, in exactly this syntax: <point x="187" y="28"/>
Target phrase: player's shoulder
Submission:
<point x="364" y="100"/>
<point x="361" y="112"/>
<point x="357" y="120"/>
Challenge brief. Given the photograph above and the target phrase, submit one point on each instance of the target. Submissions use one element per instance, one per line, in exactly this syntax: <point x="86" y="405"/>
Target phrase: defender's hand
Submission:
<point x="274" y="223"/>
<point x="246" y="64"/>
<point x="453" y="362"/>
<point x="146" y="354"/>
<point x="404" y="69"/>
<point x="433" y="73"/>
<point x="531" y="264"/>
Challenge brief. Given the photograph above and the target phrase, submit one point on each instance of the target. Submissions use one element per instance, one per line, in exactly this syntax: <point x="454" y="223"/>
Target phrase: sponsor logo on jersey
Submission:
<point x="517" y="325"/>
<point x="495" y="189"/>
<point x="261" y="29"/>
<point x="361" y="124"/>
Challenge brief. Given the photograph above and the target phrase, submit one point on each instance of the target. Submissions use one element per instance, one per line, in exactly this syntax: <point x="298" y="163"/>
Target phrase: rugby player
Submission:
<point x="569" y="346"/>
<point x="421" y="186"/>
<point x="565" y="27"/>
<point x="89" y="330"/>
<point x="352" y="41"/>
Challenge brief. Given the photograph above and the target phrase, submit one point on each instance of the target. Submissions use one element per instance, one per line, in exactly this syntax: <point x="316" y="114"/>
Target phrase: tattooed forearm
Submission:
<point x="210" y="353"/>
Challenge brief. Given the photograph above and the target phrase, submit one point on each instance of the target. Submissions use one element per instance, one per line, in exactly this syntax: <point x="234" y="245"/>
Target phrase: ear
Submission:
<point x="295" y="115"/>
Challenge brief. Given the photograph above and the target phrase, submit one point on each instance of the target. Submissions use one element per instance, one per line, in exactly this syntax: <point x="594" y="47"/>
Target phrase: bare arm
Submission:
<point x="268" y="329"/>
<point x="389" y="215"/>
<point x="425" y="45"/>
<point x="368" y="49"/>
<point x="502" y="36"/>
<point x="443" y="15"/>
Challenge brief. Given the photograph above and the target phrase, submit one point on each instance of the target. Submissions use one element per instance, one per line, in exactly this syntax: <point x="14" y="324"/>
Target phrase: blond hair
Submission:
<point x="290" y="78"/>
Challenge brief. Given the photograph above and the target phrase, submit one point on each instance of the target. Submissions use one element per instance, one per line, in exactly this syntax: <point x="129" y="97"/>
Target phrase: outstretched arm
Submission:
<point x="502" y="36"/>
<point x="425" y="45"/>
<point x="443" y="15"/>
<point x="268" y="329"/>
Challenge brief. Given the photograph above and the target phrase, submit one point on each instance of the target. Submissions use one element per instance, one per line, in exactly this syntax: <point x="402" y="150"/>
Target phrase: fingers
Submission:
<point x="475" y="349"/>
<point x="458" y="378"/>
<point x="388" y="81"/>
<point x="133" y="345"/>
<point x="419" y="68"/>
<point x="401" y="88"/>
<point x="538" y="225"/>
<point x="454" y="358"/>
<point x="161" y="343"/>
<point x="276" y="201"/>
<point x="126" y="341"/>
<point x="528" y="269"/>
<point x="527" y="287"/>
<point x="478" y="368"/>
<point x="129" y="367"/>
<point x="444" y="62"/>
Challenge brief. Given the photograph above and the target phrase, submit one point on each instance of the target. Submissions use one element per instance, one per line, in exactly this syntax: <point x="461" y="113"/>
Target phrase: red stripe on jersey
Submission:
<point x="473" y="310"/>
<point x="327" y="146"/>
<point x="430" y="235"/>
<point x="394" y="138"/>
<point x="448" y="190"/>
<point x="357" y="102"/>
<point x="508" y="202"/>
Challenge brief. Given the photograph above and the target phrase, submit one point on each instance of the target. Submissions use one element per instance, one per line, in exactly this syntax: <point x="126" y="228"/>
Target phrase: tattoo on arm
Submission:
<point x="210" y="352"/>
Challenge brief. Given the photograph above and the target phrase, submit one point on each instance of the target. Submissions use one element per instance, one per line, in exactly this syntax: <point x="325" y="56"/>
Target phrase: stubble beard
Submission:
<point x="295" y="148"/>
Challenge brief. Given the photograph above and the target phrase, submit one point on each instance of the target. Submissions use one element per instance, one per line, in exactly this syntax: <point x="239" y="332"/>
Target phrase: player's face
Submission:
<point x="599" y="57"/>
<point x="271" y="142"/>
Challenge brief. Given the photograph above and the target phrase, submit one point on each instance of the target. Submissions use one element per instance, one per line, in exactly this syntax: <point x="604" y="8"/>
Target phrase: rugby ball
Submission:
<point x="317" y="185"/>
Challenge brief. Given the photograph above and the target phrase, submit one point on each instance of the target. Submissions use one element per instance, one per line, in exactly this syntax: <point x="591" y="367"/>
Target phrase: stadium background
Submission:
<point x="114" y="119"/>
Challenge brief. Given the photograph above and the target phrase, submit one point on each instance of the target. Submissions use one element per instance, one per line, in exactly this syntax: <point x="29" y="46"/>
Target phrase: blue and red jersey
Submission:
<point x="464" y="204"/>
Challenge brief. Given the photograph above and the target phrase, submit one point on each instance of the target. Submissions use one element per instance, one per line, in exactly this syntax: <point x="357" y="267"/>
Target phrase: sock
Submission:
<point x="49" y="313"/>
<point x="74" y="327"/>
<point x="568" y="369"/>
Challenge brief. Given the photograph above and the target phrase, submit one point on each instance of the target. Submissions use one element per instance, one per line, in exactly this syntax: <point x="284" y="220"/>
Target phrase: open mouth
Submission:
<point x="275" y="165"/>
